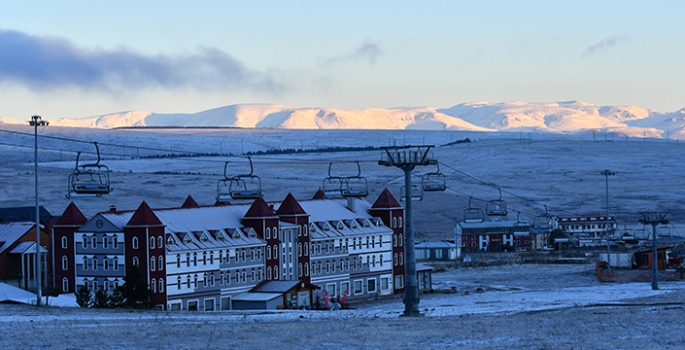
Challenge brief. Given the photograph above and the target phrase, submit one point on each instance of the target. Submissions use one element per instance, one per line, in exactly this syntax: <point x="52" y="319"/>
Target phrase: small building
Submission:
<point x="436" y="251"/>
<point x="643" y="258"/>
<point x="424" y="278"/>
<point x="265" y="295"/>
<point x="256" y="301"/>
<point x="18" y="253"/>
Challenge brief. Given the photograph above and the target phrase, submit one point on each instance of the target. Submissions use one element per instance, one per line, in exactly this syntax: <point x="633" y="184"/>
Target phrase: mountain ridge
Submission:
<point x="552" y="117"/>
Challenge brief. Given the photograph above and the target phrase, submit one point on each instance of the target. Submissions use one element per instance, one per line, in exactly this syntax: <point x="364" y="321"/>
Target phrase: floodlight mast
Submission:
<point x="606" y="174"/>
<point x="36" y="121"/>
<point x="654" y="218"/>
<point x="407" y="158"/>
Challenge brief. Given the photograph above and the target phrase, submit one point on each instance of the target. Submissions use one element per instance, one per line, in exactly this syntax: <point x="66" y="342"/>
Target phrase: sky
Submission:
<point x="73" y="59"/>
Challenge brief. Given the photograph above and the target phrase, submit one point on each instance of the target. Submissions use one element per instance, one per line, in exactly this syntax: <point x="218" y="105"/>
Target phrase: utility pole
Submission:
<point x="654" y="218"/>
<point x="407" y="158"/>
<point x="35" y="122"/>
<point x="606" y="174"/>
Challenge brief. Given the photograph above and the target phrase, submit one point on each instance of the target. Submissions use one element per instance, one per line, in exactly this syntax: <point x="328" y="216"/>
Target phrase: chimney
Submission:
<point x="113" y="208"/>
<point x="351" y="204"/>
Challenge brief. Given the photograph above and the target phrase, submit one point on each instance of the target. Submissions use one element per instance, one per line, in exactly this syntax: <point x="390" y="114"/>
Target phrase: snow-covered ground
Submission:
<point x="521" y="306"/>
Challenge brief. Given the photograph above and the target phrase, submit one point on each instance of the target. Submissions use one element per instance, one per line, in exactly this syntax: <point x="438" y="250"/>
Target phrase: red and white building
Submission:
<point x="200" y="257"/>
<point x="493" y="236"/>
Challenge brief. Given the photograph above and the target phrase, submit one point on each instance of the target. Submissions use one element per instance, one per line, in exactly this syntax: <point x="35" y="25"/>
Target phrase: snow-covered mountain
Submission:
<point x="555" y="117"/>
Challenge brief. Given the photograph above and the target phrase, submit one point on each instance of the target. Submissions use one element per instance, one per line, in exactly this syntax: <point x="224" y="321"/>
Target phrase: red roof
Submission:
<point x="190" y="203"/>
<point x="144" y="216"/>
<point x="290" y="206"/>
<point x="386" y="201"/>
<point x="259" y="209"/>
<point x="319" y="194"/>
<point x="72" y="216"/>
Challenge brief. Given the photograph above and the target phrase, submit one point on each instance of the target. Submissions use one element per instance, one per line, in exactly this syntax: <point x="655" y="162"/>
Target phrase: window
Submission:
<point x="299" y="249"/>
<point x="252" y="275"/>
<point x="85" y="242"/>
<point x="237" y="277"/>
<point x="399" y="282"/>
<point x="204" y="280"/>
<point x="65" y="242"/>
<point x="251" y="254"/>
<point x="116" y="263"/>
<point x="275" y="272"/>
<point x="347" y="244"/>
<point x="204" y="258"/>
<point x="178" y="282"/>
<point x="211" y="279"/>
<point x="209" y="304"/>
<point x="244" y="275"/>
<point x="105" y="263"/>
<point x="65" y="284"/>
<point x="94" y="241"/>
<point x="160" y="242"/>
<point x="275" y="233"/>
<point x="371" y="285"/>
<point x="136" y="262"/>
<point x="330" y="288"/>
<point x="153" y="285"/>
<point x="259" y="253"/>
<point x="380" y="241"/>
<point x="394" y="222"/>
<point x="105" y="241"/>
<point x="228" y="277"/>
<point x="95" y="285"/>
<point x="192" y="305"/>
<point x="134" y="242"/>
<point x="401" y="240"/>
<point x="354" y="263"/>
<point x="178" y="260"/>
<point x="268" y="273"/>
<point x="187" y="259"/>
<point x="260" y="273"/>
<point x="95" y="264"/>
<point x="268" y="253"/>
<point x="381" y="259"/>
<point x="65" y="263"/>
<point x="400" y="222"/>
<point x="358" y="287"/>
<point x="385" y="283"/>
<point x="395" y="260"/>
<point x="344" y="288"/>
<point x="152" y="263"/>
<point x="160" y="266"/>
<point x="401" y="258"/>
<point x="306" y="269"/>
<point x="275" y="252"/>
<point x="152" y="242"/>
<point x="194" y="259"/>
<point x="306" y="249"/>
<point x="268" y="233"/>
<point x="347" y="264"/>
<point x="242" y="255"/>
<point x="299" y="270"/>
<point x="116" y="241"/>
<point x="394" y="240"/>
<point x="161" y="285"/>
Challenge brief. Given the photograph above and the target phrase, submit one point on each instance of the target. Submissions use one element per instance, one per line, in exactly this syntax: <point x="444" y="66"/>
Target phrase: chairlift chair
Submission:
<point x="331" y="185"/>
<point x="496" y="207"/>
<point x="435" y="181"/>
<point x="416" y="193"/>
<point x="244" y="186"/>
<point x="473" y="214"/>
<point x="89" y="179"/>
<point x="354" y="186"/>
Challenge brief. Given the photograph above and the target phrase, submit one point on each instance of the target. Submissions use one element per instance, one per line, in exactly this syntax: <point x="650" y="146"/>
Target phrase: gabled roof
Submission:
<point x="319" y="194"/>
<point x="72" y="216"/>
<point x="259" y="209"/>
<point x="189" y="203"/>
<point x="10" y="232"/>
<point x="144" y="216"/>
<point x="386" y="201"/>
<point x="290" y="206"/>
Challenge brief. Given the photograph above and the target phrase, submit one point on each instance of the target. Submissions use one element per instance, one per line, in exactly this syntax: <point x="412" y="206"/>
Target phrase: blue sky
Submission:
<point x="84" y="58"/>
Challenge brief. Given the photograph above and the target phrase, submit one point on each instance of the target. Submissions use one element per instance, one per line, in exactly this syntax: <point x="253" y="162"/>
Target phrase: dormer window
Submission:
<point x="326" y="227"/>
<point x="204" y="237"/>
<point x="220" y="236"/>
<point x="236" y="234"/>
<point x="186" y="238"/>
<point x="379" y="222"/>
<point x="367" y="223"/>
<point x="312" y="228"/>
<point x="251" y="233"/>
<point x="170" y="239"/>
<point x="340" y="225"/>
<point x="353" y="224"/>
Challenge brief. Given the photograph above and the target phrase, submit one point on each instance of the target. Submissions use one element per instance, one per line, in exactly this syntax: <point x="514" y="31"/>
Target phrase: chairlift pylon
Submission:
<point x="89" y="179"/>
<point x="435" y="181"/>
<point x="496" y="207"/>
<point x="242" y="186"/>
<point x="473" y="214"/>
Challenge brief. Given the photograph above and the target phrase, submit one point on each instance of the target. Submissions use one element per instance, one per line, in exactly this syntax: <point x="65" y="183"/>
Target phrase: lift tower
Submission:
<point x="407" y="158"/>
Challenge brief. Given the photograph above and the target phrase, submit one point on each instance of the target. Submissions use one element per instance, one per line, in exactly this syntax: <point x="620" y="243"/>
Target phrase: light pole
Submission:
<point x="654" y="218"/>
<point x="35" y="122"/>
<point x="606" y="174"/>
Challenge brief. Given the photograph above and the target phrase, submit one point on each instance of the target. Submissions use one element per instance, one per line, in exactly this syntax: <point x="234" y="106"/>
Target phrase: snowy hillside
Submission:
<point x="553" y="117"/>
